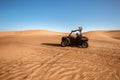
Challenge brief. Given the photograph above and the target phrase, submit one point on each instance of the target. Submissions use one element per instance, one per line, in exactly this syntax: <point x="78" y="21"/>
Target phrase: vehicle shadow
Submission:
<point x="51" y="44"/>
<point x="58" y="45"/>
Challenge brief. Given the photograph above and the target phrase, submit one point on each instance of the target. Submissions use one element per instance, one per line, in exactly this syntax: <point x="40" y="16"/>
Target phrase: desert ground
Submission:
<point x="37" y="55"/>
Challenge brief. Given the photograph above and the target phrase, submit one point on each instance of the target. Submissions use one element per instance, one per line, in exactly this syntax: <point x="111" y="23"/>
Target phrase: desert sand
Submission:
<point x="37" y="55"/>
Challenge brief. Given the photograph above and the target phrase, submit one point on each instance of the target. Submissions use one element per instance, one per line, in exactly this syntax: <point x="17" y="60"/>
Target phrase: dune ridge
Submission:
<point x="37" y="55"/>
<point x="30" y="32"/>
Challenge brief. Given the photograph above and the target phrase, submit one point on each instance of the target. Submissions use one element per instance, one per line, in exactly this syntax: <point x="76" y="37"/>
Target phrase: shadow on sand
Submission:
<point x="58" y="45"/>
<point x="51" y="44"/>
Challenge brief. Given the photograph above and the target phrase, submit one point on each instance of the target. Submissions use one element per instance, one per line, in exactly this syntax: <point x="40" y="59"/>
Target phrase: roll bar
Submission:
<point x="74" y="31"/>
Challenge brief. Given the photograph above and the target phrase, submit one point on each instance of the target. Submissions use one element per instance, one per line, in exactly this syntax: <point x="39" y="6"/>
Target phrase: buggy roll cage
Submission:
<point x="74" y="31"/>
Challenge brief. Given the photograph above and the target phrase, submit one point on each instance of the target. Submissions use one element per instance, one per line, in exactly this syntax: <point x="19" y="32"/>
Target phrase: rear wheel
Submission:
<point x="64" y="43"/>
<point x="84" y="45"/>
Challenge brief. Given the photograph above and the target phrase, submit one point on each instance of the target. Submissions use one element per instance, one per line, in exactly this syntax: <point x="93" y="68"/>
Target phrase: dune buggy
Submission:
<point x="78" y="41"/>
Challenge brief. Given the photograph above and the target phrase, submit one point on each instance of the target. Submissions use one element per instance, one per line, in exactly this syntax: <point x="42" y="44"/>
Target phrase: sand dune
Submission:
<point x="37" y="55"/>
<point x="30" y="32"/>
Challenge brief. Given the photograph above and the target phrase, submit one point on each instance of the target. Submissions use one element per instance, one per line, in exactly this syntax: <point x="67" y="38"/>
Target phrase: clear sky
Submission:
<point x="59" y="15"/>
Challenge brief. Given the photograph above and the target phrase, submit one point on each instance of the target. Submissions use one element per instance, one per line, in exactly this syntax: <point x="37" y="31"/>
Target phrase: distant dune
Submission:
<point x="31" y="32"/>
<point x="37" y="55"/>
<point x="104" y="34"/>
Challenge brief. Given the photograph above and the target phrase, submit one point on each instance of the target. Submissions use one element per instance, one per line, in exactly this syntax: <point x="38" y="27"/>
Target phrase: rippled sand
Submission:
<point x="37" y="55"/>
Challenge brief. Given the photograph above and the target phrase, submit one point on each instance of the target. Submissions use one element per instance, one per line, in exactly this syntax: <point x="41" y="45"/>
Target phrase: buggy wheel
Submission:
<point x="64" y="43"/>
<point x="84" y="45"/>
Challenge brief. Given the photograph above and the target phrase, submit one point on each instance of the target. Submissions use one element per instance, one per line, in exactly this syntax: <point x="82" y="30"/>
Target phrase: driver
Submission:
<point x="78" y="38"/>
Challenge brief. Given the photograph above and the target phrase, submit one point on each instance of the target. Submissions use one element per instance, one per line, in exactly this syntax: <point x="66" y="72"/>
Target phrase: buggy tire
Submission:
<point x="84" y="45"/>
<point x="64" y="43"/>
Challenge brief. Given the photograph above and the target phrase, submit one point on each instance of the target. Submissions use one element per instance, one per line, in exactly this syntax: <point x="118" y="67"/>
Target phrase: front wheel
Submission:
<point x="84" y="45"/>
<point x="64" y="43"/>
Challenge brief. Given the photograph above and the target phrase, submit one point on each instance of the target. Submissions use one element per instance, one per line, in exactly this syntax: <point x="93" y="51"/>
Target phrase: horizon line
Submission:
<point x="57" y="31"/>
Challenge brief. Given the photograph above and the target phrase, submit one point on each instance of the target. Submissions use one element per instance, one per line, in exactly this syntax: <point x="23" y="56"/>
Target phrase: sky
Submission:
<point x="59" y="15"/>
